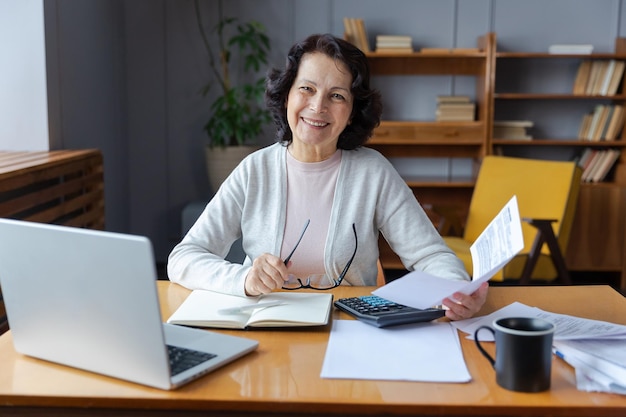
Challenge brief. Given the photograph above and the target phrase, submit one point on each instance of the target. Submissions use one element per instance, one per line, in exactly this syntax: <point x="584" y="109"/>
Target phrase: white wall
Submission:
<point x="23" y="93"/>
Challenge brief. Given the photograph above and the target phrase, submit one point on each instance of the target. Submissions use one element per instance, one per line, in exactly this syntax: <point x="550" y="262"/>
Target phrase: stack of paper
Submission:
<point x="595" y="349"/>
<point x="410" y="352"/>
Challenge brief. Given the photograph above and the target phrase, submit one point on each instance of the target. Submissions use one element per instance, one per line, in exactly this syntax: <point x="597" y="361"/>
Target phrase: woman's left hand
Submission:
<point x="462" y="306"/>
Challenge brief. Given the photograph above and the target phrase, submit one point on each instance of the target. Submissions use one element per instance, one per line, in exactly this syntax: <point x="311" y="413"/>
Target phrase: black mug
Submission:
<point x="523" y="353"/>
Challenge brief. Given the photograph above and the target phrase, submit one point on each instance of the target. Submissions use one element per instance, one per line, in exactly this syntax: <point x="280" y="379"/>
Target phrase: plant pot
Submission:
<point x="221" y="161"/>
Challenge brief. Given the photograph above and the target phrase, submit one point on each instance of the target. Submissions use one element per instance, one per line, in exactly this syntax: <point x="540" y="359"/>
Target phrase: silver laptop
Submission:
<point x="88" y="299"/>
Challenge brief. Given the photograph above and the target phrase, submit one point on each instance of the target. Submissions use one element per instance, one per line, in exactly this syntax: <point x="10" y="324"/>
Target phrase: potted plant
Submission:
<point x="237" y="115"/>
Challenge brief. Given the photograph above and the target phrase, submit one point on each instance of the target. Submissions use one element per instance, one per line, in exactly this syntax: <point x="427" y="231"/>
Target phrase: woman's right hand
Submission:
<point x="268" y="273"/>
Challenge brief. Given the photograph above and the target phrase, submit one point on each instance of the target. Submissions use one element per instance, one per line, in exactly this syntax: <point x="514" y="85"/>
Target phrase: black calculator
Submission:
<point x="380" y="312"/>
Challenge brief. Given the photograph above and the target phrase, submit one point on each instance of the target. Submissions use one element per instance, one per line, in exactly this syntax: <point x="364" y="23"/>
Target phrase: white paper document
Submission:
<point x="567" y="327"/>
<point x="501" y="240"/>
<point x="428" y="352"/>
<point x="600" y="364"/>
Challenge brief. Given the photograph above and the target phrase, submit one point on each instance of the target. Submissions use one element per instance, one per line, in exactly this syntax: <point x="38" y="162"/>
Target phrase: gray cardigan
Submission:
<point x="251" y="204"/>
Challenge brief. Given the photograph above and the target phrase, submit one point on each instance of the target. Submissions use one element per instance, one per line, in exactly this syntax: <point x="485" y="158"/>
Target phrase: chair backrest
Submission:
<point x="544" y="189"/>
<point x="380" y="277"/>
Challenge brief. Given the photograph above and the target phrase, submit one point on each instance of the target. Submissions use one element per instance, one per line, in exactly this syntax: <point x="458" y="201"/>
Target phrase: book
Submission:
<point x="594" y="74"/>
<point x="593" y="126"/>
<point x="585" y="123"/>
<point x="592" y="165"/>
<point x="348" y="31"/>
<point x="570" y="49"/>
<point x="580" y="83"/>
<point x="364" y="44"/>
<point x="512" y="129"/>
<point x="206" y="309"/>
<point x="616" y="78"/>
<point x="394" y="38"/>
<point x="407" y="50"/>
<point x="616" y="123"/>
<point x="393" y="41"/>
<point x="610" y="69"/>
<point x="602" y="121"/>
<point x="453" y="99"/>
<point x="604" y="165"/>
<point x="599" y="76"/>
<point x="355" y="33"/>
<point x="450" y="50"/>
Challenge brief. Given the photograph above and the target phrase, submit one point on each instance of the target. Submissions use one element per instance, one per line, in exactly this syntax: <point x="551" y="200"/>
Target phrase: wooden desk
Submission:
<point x="282" y="376"/>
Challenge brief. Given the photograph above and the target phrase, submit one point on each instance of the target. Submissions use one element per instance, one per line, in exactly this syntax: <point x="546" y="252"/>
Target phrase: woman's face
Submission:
<point x="319" y="106"/>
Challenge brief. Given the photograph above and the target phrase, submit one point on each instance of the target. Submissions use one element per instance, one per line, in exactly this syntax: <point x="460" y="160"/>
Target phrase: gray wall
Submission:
<point x="124" y="76"/>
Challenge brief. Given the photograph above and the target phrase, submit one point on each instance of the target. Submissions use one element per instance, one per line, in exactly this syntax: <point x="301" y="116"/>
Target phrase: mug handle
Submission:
<point x="483" y="351"/>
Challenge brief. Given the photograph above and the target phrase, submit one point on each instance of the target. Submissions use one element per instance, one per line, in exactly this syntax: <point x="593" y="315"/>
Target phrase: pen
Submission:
<point x="243" y="309"/>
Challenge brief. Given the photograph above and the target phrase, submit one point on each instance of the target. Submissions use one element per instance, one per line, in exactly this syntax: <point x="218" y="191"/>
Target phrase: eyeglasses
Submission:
<point x="318" y="281"/>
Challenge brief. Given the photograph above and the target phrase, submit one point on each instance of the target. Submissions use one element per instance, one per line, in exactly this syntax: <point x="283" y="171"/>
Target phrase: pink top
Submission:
<point x="310" y="193"/>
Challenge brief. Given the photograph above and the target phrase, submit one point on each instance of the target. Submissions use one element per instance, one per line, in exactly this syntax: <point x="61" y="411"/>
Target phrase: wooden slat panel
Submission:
<point x="60" y="187"/>
<point x="32" y="175"/>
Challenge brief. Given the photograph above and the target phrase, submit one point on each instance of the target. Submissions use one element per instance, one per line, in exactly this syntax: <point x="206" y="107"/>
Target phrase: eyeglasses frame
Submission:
<point x="337" y="282"/>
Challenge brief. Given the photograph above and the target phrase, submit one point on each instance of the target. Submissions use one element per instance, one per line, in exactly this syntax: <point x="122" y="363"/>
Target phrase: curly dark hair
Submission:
<point x="367" y="107"/>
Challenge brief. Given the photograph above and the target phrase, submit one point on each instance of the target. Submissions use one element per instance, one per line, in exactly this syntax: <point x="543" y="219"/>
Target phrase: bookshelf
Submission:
<point x="598" y="238"/>
<point x="449" y="139"/>
<point x="509" y="87"/>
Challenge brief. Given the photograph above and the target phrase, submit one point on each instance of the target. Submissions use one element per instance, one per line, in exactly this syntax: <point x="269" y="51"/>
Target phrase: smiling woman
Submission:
<point x="317" y="174"/>
<point x="319" y="107"/>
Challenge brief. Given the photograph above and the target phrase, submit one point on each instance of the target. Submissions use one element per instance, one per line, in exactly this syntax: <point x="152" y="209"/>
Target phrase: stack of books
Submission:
<point x="355" y="33"/>
<point x="603" y="124"/>
<point x="599" y="77"/>
<point x="512" y="129"/>
<point x="597" y="163"/>
<point x="455" y="108"/>
<point x="394" y="44"/>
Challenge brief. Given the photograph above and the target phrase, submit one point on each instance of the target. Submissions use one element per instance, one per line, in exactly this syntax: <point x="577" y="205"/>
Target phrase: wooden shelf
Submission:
<point x="429" y="133"/>
<point x="599" y="219"/>
<point x="426" y="64"/>
<point x="560" y="143"/>
<point x="545" y="55"/>
<point x="539" y="96"/>
<point x="441" y="182"/>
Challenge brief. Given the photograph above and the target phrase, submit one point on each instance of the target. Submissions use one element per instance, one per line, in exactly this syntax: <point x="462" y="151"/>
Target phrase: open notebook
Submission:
<point x="278" y="309"/>
<point x="88" y="299"/>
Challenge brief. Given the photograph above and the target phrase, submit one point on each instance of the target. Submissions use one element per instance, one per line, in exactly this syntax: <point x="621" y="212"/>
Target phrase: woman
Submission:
<point x="317" y="175"/>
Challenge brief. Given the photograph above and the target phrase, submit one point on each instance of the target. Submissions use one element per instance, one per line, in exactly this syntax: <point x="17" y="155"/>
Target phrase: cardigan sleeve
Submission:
<point x="250" y="205"/>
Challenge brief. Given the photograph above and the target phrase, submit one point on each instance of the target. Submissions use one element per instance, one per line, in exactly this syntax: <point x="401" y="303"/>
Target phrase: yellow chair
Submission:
<point x="547" y="194"/>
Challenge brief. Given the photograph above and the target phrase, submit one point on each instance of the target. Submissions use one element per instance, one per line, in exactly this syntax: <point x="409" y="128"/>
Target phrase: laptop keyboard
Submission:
<point x="182" y="359"/>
